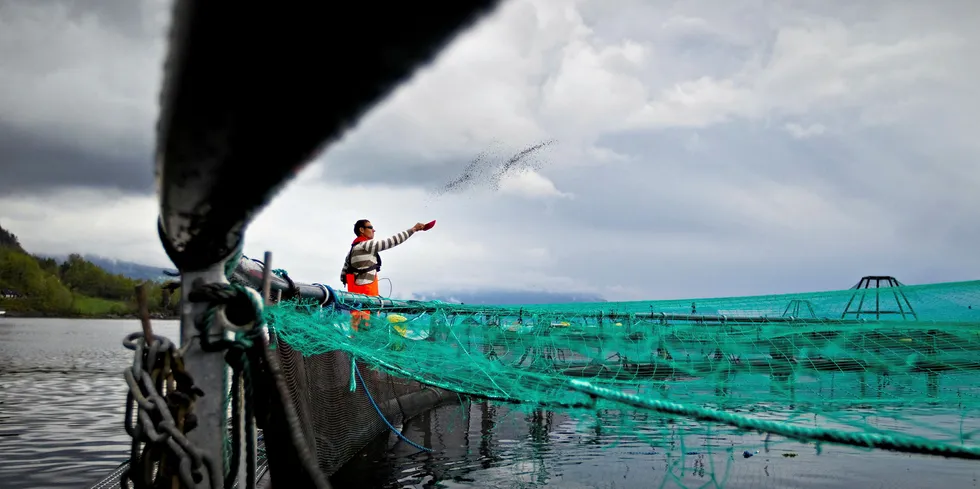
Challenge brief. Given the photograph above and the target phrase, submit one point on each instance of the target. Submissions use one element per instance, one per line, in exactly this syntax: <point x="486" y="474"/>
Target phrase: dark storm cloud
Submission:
<point x="75" y="108"/>
<point x="31" y="163"/>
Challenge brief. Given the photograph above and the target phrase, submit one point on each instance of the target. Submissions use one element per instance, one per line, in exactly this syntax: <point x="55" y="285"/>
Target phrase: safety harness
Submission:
<point x="349" y="269"/>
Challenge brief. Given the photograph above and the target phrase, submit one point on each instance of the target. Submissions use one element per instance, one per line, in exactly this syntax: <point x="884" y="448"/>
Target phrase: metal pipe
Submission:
<point x="250" y="272"/>
<point x="208" y="369"/>
<point x="267" y="279"/>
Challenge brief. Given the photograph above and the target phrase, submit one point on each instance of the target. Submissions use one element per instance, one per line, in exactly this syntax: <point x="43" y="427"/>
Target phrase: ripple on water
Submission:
<point x="61" y="410"/>
<point x="62" y="398"/>
<point x="517" y="451"/>
<point x="60" y="430"/>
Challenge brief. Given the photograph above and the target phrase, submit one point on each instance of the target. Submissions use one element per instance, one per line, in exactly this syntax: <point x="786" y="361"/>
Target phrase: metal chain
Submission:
<point x="163" y="395"/>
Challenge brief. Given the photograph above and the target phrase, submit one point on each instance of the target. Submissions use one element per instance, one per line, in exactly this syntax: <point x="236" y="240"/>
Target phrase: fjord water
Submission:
<point x="61" y="411"/>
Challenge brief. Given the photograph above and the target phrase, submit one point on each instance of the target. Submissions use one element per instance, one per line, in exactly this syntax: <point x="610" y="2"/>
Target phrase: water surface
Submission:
<point x="62" y="401"/>
<point x="480" y="445"/>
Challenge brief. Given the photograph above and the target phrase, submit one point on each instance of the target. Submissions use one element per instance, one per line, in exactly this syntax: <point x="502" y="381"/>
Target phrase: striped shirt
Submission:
<point x="362" y="256"/>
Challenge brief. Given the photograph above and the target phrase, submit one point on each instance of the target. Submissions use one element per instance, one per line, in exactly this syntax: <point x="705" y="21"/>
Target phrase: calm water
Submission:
<point x="61" y="408"/>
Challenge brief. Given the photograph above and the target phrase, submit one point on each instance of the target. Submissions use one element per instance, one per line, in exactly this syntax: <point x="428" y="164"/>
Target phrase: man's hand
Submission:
<point x="419" y="227"/>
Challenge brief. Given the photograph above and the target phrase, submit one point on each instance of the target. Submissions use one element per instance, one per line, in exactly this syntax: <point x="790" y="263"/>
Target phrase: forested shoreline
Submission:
<point x="34" y="286"/>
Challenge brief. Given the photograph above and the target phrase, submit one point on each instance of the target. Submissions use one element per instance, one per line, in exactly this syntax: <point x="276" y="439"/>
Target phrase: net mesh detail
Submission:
<point x="888" y="368"/>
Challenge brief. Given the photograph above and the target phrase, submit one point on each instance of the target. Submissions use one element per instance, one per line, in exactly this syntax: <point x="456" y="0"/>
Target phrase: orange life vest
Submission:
<point x="353" y="287"/>
<point x="369" y="289"/>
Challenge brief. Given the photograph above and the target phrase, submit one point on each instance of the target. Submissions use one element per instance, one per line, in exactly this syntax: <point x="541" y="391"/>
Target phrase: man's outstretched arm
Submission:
<point x="376" y="245"/>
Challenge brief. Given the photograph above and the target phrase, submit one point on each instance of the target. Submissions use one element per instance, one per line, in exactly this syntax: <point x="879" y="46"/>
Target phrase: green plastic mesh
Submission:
<point x="890" y="368"/>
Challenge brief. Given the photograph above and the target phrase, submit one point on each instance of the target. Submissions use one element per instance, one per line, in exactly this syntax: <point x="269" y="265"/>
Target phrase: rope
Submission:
<point x="801" y="433"/>
<point x="378" y="409"/>
<point x="391" y="288"/>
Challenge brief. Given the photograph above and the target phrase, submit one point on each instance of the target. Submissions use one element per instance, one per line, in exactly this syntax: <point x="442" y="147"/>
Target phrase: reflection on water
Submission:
<point x="61" y="408"/>
<point x="481" y="445"/>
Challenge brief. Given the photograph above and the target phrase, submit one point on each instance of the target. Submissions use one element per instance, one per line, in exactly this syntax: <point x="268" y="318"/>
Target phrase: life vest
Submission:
<point x="351" y="270"/>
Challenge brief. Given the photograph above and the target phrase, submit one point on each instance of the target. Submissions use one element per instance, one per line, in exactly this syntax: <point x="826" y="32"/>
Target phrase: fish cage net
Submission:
<point x="880" y="366"/>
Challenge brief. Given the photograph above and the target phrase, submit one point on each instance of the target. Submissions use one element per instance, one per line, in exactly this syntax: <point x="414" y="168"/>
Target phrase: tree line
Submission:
<point x="34" y="285"/>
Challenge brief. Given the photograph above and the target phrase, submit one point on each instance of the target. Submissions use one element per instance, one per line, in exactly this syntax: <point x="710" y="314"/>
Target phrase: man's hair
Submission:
<point x="359" y="224"/>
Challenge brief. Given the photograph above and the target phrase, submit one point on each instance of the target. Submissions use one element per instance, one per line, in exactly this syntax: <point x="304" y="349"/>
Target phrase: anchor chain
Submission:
<point x="163" y="394"/>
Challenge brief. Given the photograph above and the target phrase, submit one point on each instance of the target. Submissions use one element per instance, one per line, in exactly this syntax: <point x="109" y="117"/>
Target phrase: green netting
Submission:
<point x="890" y="368"/>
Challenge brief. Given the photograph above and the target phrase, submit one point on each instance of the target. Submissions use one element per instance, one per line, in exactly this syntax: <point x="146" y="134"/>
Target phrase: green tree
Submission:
<point x="48" y="265"/>
<point x="56" y="298"/>
<point x="20" y="272"/>
<point x="76" y="286"/>
<point x="8" y="240"/>
<point x="84" y="277"/>
<point x="41" y="291"/>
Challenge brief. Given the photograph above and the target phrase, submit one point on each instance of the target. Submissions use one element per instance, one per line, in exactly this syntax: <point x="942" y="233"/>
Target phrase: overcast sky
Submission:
<point x="699" y="148"/>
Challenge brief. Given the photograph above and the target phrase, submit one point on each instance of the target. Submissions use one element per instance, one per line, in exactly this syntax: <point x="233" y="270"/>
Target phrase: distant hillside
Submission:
<point x="7" y="239"/>
<point x="138" y="271"/>
<point x="135" y="271"/>
<point x="76" y="287"/>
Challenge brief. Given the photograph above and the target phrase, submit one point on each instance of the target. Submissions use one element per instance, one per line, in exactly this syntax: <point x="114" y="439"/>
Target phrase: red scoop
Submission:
<point x="429" y="225"/>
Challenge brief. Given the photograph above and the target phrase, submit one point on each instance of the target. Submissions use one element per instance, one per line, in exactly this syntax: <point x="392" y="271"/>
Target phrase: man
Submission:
<point x="360" y="271"/>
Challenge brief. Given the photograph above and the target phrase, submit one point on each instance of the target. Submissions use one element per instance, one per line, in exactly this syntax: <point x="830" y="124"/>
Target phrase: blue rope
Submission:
<point x="376" y="408"/>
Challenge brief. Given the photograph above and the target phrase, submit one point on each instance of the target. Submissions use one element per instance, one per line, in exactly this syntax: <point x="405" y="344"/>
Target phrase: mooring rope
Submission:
<point x="378" y="409"/>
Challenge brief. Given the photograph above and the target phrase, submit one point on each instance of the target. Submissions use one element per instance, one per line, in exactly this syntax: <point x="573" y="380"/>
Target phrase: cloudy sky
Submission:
<point x="697" y="148"/>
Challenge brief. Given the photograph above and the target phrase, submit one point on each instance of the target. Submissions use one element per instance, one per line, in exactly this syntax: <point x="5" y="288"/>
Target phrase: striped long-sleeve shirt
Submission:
<point x="362" y="256"/>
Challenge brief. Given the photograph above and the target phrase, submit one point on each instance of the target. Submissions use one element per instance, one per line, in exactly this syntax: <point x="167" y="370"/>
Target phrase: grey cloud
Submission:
<point x="140" y="23"/>
<point x="32" y="163"/>
<point x="129" y="17"/>
<point x="732" y="154"/>
<point x="79" y="133"/>
<point x="378" y="166"/>
<point x="669" y="189"/>
<point x="486" y="169"/>
<point x="482" y="168"/>
<point x="922" y="231"/>
<point x="711" y="266"/>
<point x="693" y="40"/>
<point x="730" y="38"/>
<point x="875" y="164"/>
<point x="663" y="222"/>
